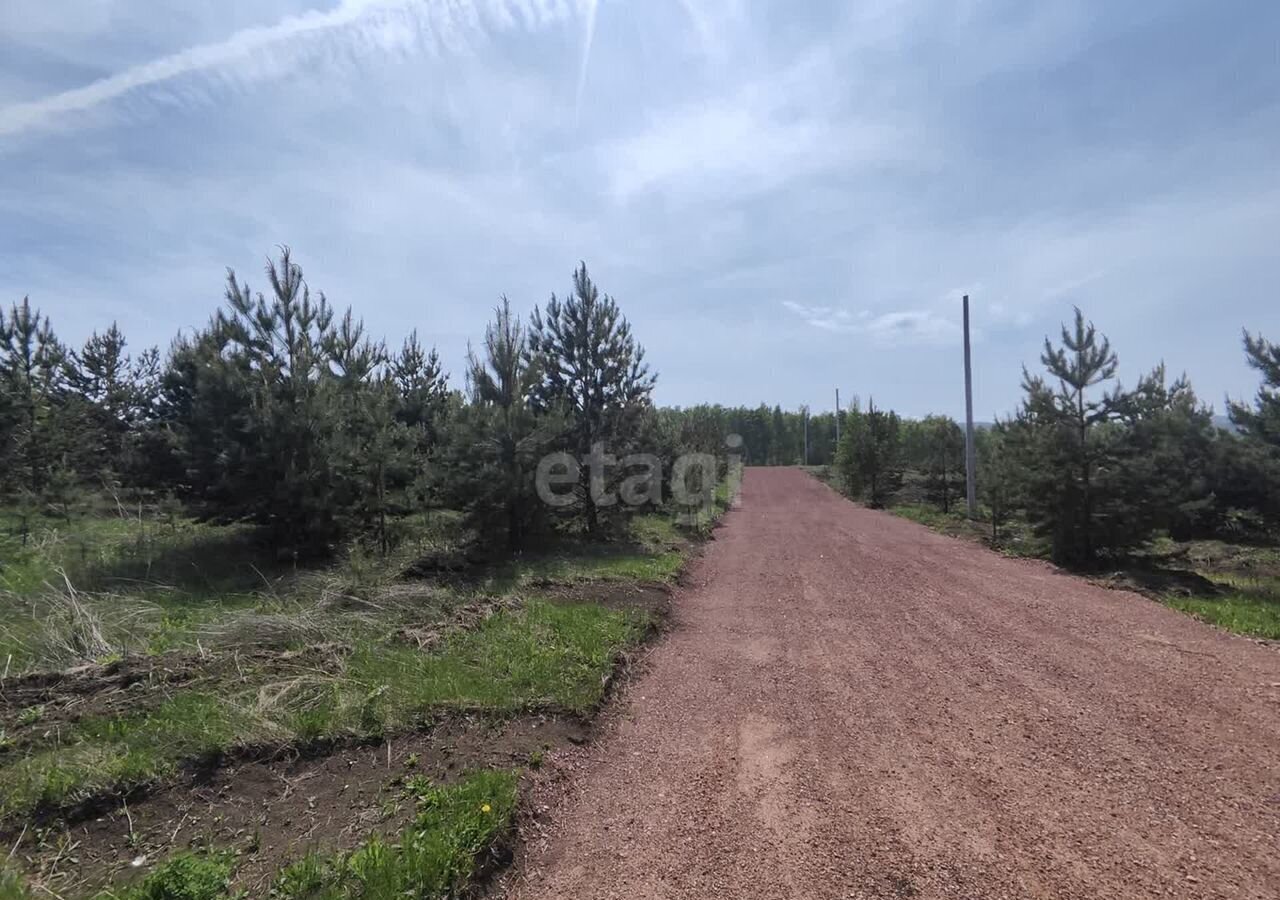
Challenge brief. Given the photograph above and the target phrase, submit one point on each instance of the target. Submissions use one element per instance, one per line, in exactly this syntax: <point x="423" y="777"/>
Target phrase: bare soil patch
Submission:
<point x="275" y="808"/>
<point x="653" y="599"/>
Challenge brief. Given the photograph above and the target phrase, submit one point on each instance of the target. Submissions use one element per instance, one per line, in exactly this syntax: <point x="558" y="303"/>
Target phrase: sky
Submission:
<point x="784" y="198"/>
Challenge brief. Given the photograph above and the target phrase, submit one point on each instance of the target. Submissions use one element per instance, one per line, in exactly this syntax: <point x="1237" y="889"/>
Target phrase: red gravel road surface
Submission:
<point x="852" y="706"/>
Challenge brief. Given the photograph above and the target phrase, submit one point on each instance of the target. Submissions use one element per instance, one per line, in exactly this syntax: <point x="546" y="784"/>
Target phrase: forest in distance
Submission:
<point x="283" y="413"/>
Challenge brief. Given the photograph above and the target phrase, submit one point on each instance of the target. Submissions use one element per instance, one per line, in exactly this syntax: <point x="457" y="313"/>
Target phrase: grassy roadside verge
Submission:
<point x="543" y="655"/>
<point x="1013" y="538"/>
<point x="1243" y="590"/>
<point x="357" y="657"/>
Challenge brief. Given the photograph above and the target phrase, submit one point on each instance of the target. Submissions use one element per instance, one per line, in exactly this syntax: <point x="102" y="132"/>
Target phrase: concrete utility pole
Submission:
<point x="970" y="456"/>
<point x="806" y="435"/>
<point x="837" y="418"/>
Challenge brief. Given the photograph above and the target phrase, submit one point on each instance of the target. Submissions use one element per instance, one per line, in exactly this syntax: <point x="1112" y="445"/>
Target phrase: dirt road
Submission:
<point x="852" y="706"/>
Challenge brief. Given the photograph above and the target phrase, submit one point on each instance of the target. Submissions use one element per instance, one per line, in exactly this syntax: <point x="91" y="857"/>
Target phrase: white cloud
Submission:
<point x="363" y="27"/>
<point x="779" y="127"/>
<point x="909" y="327"/>
<point x="708" y="143"/>
<point x="827" y="318"/>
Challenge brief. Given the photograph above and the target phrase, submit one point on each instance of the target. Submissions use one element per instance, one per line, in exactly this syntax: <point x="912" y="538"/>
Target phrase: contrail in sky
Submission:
<point x="263" y="51"/>
<point x="592" y="8"/>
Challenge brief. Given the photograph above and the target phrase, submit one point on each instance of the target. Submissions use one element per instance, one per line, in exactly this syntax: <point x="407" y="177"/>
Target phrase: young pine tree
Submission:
<point x="248" y="399"/>
<point x="371" y="453"/>
<point x="422" y="391"/>
<point x="870" y="458"/>
<point x="1262" y="420"/>
<point x="1071" y="445"/>
<point x="592" y="372"/>
<point x="1248" y="470"/>
<point x="1162" y="479"/>
<point x="118" y="397"/>
<point x="498" y="438"/>
<point x="944" y="463"/>
<point x="39" y="427"/>
<point x="997" y="476"/>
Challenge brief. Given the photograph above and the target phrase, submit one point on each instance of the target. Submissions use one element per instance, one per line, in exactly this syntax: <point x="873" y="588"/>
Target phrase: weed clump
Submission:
<point x="187" y="876"/>
<point x="438" y="855"/>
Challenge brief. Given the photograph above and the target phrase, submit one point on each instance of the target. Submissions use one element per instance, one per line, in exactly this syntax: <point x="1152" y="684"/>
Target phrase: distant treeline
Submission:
<point x="770" y="436"/>
<point x="284" y="413"/>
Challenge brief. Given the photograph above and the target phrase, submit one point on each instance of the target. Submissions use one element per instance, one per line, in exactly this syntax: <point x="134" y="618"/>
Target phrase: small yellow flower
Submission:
<point x="486" y="808"/>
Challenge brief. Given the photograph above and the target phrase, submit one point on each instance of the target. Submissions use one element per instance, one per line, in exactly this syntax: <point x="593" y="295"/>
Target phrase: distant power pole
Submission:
<point x="837" y="418"/>
<point x="970" y="457"/>
<point x="806" y="435"/>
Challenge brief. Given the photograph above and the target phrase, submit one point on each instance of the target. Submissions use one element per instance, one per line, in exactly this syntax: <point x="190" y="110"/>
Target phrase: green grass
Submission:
<point x="139" y="587"/>
<point x="656" y="533"/>
<point x="203" y="589"/>
<point x="164" y="587"/>
<point x="1247" y="577"/>
<point x="119" y="553"/>
<point x="611" y="567"/>
<point x="186" y="876"/>
<point x="436" y="857"/>
<point x="545" y="655"/>
<point x="1250" y="604"/>
<point x="1016" y="537"/>
<point x="113" y="753"/>
<point x="12" y="886"/>
<point x="927" y="516"/>
<point x="200" y="589"/>
<point x="54" y="544"/>
<point x="702" y="521"/>
<point x="1223" y="556"/>
<point x="1241" y="614"/>
<point x="158" y="584"/>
